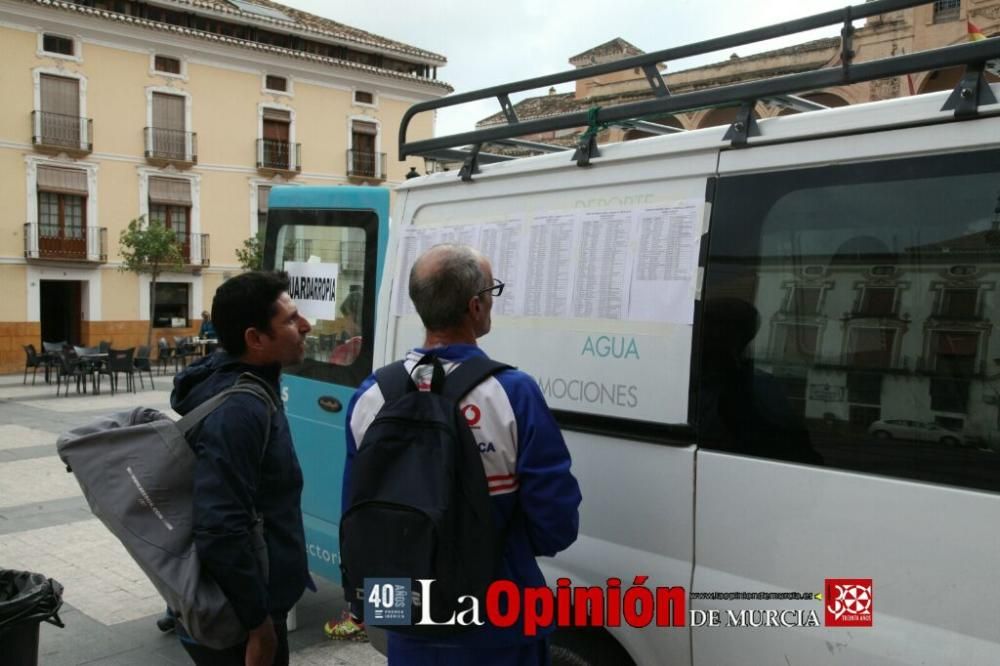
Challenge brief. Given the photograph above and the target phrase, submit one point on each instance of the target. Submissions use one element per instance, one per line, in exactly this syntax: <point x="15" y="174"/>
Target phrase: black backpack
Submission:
<point x="419" y="504"/>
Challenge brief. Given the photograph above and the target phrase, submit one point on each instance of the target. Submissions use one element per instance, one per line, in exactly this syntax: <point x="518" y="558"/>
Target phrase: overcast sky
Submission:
<point x="489" y="43"/>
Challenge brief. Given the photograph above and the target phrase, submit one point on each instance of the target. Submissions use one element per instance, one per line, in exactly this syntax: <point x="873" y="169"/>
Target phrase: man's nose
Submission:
<point x="305" y="327"/>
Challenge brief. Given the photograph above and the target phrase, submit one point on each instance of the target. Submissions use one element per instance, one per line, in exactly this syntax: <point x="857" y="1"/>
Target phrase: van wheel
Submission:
<point x="587" y="647"/>
<point x="949" y="441"/>
<point x="882" y="434"/>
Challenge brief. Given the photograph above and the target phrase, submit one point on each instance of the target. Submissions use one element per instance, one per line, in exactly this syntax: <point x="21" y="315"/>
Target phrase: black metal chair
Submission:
<point x="69" y="367"/>
<point x="184" y="350"/>
<point x="142" y="364"/>
<point x="50" y="355"/>
<point x="31" y="360"/>
<point x="119" y="361"/>
<point x="166" y="356"/>
<point x="104" y="346"/>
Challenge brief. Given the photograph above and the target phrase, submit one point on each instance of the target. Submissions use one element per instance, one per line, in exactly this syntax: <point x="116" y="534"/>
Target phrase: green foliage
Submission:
<point x="149" y="248"/>
<point x="251" y="255"/>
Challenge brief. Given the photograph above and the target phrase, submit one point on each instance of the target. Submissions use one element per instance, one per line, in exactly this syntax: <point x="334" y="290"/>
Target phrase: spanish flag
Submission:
<point x="975" y="34"/>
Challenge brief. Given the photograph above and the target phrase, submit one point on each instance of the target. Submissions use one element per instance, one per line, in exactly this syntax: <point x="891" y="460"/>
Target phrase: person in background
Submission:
<point x="207" y="330"/>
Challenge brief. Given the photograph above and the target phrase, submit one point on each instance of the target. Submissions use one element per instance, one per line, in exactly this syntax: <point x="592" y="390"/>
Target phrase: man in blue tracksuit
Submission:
<point x="243" y="469"/>
<point x="535" y="498"/>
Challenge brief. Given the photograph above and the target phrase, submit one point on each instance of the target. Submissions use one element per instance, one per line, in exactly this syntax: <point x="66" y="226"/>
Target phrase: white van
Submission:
<point x="716" y="329"/>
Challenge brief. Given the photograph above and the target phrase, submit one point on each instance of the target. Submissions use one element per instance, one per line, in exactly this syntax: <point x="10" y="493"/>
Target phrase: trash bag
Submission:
<point x="27" y="597"/>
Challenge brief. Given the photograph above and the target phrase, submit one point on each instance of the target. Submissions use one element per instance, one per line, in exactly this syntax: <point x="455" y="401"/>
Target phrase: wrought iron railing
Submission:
<point x="364" y="164"/>
<point x="279" y="155"/>
<point x="194" y="248"/>
<point x="171" y="145"/>
<point x="57" y="130"/>
<point x="65" y="244"/>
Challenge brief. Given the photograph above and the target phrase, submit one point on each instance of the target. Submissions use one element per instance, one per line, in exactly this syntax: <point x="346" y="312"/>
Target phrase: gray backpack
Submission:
<point x="136" y="470"/>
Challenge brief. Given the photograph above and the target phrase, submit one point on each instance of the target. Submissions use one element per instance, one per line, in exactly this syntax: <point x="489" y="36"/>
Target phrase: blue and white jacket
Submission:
<point x="527" y="467"/>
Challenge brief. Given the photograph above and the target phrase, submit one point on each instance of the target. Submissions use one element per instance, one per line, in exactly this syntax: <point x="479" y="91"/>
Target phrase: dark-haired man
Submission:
<point x="246" y="467"/>
<point x="535" y="498"/>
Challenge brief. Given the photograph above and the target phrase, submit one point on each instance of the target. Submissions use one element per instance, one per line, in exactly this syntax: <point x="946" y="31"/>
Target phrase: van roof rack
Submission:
<point x="971" y="92"/>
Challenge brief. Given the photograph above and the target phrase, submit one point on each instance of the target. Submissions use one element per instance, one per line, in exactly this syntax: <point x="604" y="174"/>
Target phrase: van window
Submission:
<point x="850" y="318"/>
<point x="330" y="257"/>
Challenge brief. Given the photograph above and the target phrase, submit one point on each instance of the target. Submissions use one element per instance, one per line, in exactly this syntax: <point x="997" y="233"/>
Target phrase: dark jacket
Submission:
<point x="233" y="476"/>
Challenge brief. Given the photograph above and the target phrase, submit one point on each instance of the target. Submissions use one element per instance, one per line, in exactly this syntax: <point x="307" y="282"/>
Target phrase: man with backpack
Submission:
<point x="463" y="501"/>
<point x="246" y="469"/>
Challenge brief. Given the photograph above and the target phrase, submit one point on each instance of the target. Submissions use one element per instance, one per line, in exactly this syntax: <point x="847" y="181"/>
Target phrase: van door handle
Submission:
<point x="330" y="404"/>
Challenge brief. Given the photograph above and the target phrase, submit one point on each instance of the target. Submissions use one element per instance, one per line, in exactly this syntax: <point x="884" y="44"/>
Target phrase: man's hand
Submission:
<point x="262" y="644"/>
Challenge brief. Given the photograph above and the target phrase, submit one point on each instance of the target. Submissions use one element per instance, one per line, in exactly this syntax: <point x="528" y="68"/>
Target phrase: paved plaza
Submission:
<point x="45" y="526"/>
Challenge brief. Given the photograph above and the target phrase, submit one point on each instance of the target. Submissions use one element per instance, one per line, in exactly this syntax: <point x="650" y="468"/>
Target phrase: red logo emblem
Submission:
<point x="472" y="415"/>
<point x="848" y="602"/>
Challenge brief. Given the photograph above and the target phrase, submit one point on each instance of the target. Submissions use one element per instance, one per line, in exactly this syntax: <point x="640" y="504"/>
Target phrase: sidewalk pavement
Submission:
<point x="109" y="608"/>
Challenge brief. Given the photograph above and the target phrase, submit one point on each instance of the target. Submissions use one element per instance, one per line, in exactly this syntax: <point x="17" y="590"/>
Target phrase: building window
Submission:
<point x="803" y="301"/>
<point x="364" y="161"/>
<point x="276" y="144"/>
<point x="946" y="10"/>
<point x="167" y="65"/>
<point x="168" y="137"/>
<point x="170" y="205"/>
<point x="362" y="97"/>
<point x="171" y="304"/>
<point x="959" y="303"/>
<point x="59" y="122"/>
<point x="58" y="44"/>
<point x="878" y="302"/>
<point x="870" y="347"/>
<point x="278" y="83"/>
<point x="62" y="212"/>
<point x="797" y="344"/>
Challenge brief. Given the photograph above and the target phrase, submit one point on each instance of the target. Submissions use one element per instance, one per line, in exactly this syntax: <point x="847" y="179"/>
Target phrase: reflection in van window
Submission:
<point x="875" y="342"/>
<point x="334" y="346"/>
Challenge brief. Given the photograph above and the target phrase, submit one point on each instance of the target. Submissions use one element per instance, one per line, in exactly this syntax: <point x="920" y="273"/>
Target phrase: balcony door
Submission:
<point x="363" y="161"/>
<point x="62" y="213"/>
<point x="169" y="130"/>
<point x="276" y="131"/>
<point x="170" y="205"/>
<point x="60" y="111"/>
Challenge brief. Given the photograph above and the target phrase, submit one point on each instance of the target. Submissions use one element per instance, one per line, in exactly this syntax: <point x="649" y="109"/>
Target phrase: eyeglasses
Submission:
<point x="496" y="289"/>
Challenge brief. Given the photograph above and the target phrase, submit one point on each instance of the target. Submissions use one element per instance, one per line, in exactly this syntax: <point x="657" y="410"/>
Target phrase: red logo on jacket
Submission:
<point x="472" y="415"/>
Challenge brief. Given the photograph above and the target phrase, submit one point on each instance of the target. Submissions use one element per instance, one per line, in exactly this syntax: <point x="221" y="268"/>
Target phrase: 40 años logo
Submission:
<point x="507" y="604"/>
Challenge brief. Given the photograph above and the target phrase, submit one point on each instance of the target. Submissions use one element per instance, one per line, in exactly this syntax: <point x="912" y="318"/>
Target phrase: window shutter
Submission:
<point x="168" y="112"/>
<point x="60" y="95"/>
<point x="171" y="191"/>
<point x="263" y="196"/>
<point x="361" y="127"/>
<point x="67" y="181"/>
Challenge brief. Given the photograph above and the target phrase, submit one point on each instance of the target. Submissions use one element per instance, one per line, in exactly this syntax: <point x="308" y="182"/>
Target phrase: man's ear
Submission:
<point x="252" y="338"/>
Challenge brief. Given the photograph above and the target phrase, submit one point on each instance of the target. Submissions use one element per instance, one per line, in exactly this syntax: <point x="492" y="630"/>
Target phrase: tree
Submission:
<point x="251" y="255"/>
<point x="149" y="248"/>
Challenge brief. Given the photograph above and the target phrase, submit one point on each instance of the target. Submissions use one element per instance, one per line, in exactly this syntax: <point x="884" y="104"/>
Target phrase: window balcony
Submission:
<point x="59" y="133"/>
<point x="275" y="156"/>
<point x="169" y="146"/>
<point x="52" y="243"/>
<point x="365" y="165"/>
<point x="194" y="248"/>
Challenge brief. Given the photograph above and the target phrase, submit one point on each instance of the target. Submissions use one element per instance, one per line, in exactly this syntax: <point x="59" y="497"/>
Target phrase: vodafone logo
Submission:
<point x="472" y="415"/>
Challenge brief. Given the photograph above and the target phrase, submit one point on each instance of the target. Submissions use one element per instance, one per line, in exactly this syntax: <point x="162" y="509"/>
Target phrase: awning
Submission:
<point x="56" y="179"/>
<point x="172" y="191"/>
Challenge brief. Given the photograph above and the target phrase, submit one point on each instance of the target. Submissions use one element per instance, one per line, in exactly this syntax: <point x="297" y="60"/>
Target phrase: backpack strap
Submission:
<point x="470" y="374"/>
<point x="247" y="383"/>
<point x="394" y="381"/>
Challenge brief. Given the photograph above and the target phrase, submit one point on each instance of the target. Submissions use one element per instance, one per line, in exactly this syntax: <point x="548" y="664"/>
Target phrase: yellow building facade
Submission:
<point x="185" y="112"/>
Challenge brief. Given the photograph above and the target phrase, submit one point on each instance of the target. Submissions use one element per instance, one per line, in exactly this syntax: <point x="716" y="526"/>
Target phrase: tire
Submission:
<point x="882" y="434"/>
